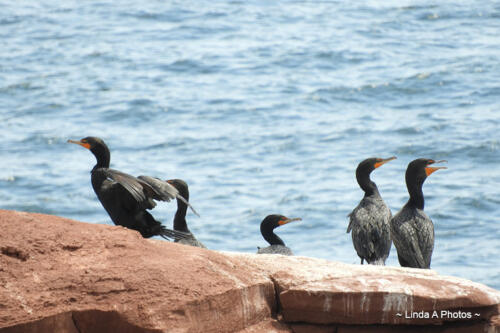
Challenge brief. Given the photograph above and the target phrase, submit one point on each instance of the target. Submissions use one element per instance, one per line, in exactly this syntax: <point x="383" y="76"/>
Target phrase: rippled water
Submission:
<point x="262" y="107"/>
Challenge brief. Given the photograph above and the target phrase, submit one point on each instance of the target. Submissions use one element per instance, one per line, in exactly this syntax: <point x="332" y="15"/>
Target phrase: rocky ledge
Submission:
<point x="59" y="275"/>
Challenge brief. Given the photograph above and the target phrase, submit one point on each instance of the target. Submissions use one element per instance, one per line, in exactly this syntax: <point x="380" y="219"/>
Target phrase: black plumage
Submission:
<point x="180" y="223"/>
<point x="126" y="198"/>
<point x="267" y="226"/>
<point x="412" y="231"/>
<point x="369" y="221"/>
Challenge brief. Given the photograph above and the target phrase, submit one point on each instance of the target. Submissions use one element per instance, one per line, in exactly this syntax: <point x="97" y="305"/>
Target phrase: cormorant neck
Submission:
<point x="97" y="178"/>
<point x="180" y="217"/>
<point x="366" y="184"/>
<point x="416" y="194"/>
<point x="102" y="156"/>
<point x="271" y="237"/>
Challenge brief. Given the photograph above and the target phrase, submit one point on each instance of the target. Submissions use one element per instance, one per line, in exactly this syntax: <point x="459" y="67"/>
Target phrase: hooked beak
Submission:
<point x="430" y="170"/>
<point x="287" y="220"/>
<point x="83" y="144"/>
<point x="384" y="161"/>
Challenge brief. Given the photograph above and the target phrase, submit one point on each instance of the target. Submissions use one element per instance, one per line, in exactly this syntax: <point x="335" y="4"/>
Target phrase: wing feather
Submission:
<point x="164" y="191"/>
<point x="130" y="183"/>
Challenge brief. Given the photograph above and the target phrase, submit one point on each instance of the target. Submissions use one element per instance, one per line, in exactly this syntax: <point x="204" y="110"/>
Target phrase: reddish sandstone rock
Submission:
<point x="108" y="278"/>
<point x="63" y="276"/>
<point x="322" y="292"/>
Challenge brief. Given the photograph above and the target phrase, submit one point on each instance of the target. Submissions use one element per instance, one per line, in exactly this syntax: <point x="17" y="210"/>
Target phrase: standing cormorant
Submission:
<point x="125" y="197"/>
<point x="267" y="230"/>
<point x="369" y="221"/>
<point x="412" y="231"/>
<point x="180" y="216"/>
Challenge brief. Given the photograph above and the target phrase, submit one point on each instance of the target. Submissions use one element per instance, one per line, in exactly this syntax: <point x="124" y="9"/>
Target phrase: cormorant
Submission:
<point x="369" y="221"/>
<point x="125" y="197"/>
<point x="180" y="216"/>
<point x="267" y="230"/>
<point x="412" y="231"/>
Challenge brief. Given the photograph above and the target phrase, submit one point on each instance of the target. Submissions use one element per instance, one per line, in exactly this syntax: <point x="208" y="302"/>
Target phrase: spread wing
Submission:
<point x="133" y="185"/>
<point x="164" y="191"/>
<point x="161" y="190"/>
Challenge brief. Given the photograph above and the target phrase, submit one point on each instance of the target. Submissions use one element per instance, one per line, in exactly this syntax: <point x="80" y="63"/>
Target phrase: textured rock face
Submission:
<point x="58" y="275"/>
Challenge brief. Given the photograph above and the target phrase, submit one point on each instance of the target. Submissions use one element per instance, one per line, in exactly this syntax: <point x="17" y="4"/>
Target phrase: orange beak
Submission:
<point x="430" y="170"/>
<point x="287" y="220"/>
<point x="384" y="161"/>
<point x="83" y="144"/>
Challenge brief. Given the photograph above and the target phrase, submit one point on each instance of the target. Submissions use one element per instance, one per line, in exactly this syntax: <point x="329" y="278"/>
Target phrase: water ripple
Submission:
<point x="263" y="108"/>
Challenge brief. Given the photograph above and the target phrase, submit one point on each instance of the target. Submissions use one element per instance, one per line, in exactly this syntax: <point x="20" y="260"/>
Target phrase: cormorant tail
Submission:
<point x="173" y="234"/>
<point x="379" y="262"/>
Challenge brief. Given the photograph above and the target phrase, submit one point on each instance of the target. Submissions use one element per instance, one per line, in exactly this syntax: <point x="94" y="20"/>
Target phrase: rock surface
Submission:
<point x="59" y="275"/>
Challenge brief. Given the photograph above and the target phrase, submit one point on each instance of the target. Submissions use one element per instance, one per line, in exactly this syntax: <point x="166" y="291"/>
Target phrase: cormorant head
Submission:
<point x="418" y="170"/>
<point x="370" y="164"/>
<point x="364" y="170"/>
<point x="181" y="186"/>
<point x="273" y="221"/>
<point x="97" y="147"/>
<point x="270" y="223"/>
<point x="90" y="142"/>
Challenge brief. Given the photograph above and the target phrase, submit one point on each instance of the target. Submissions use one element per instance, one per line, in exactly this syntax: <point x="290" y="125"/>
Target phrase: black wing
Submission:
<point x="161" y="190"/>
<point x="133" y="185"/>
<point x="164" y="191"/>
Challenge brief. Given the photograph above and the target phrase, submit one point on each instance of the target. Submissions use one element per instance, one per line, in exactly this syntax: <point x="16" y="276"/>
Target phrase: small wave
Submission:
<point x="22" y="86"/>
<point x="475" y="203"/>
<point x="174" y="16"/>
<point x="408" y="130"/>
<point x="11" y="20"/>
<point x="429" y="16"/>
<point x="43" y="139"/>
<point x="140" y="102"/>
<point x="189" y="66"/>
<point x="293" y="198"/>
<point x="214" y="14"/>
<point x="345" y="56"/>
<point x="417" y="7"/>
<point x="9" y="179"/>
<point x="225" y="101"/>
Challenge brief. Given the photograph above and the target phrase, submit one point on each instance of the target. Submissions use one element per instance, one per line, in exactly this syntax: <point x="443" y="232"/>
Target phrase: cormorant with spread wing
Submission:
<point x="125" y="197"/>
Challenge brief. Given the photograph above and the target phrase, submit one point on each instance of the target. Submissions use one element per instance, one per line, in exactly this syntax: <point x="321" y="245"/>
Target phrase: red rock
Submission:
<point x="310" y="328"/>
<point x="494" y="324"/>
<point x="111" y="279"/>
<point x="268" y="326"/>
<point x="60" y="323"/>
<point x="322" y="292"/>
<point x="58" y="275"/>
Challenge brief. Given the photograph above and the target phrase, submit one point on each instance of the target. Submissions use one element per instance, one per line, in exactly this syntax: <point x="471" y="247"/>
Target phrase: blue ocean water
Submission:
<point x="262" y="107"/>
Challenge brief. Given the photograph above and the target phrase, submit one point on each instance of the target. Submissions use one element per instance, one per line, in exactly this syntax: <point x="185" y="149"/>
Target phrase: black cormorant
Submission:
<point x="412" y="231"/>
<point x="180" y="216"/>
<point x="125" y="197"/>
<point x="369" y="221"/>
<point x="267" y="230"/>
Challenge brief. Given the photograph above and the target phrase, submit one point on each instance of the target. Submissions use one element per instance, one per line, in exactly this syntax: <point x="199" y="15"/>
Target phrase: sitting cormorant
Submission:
<point x="125" y="197"/>
<point x="180" y="216"/>
<point x="369" y="221"/>
<point x="412" y="231"/>
<point x="267" y="230"/>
